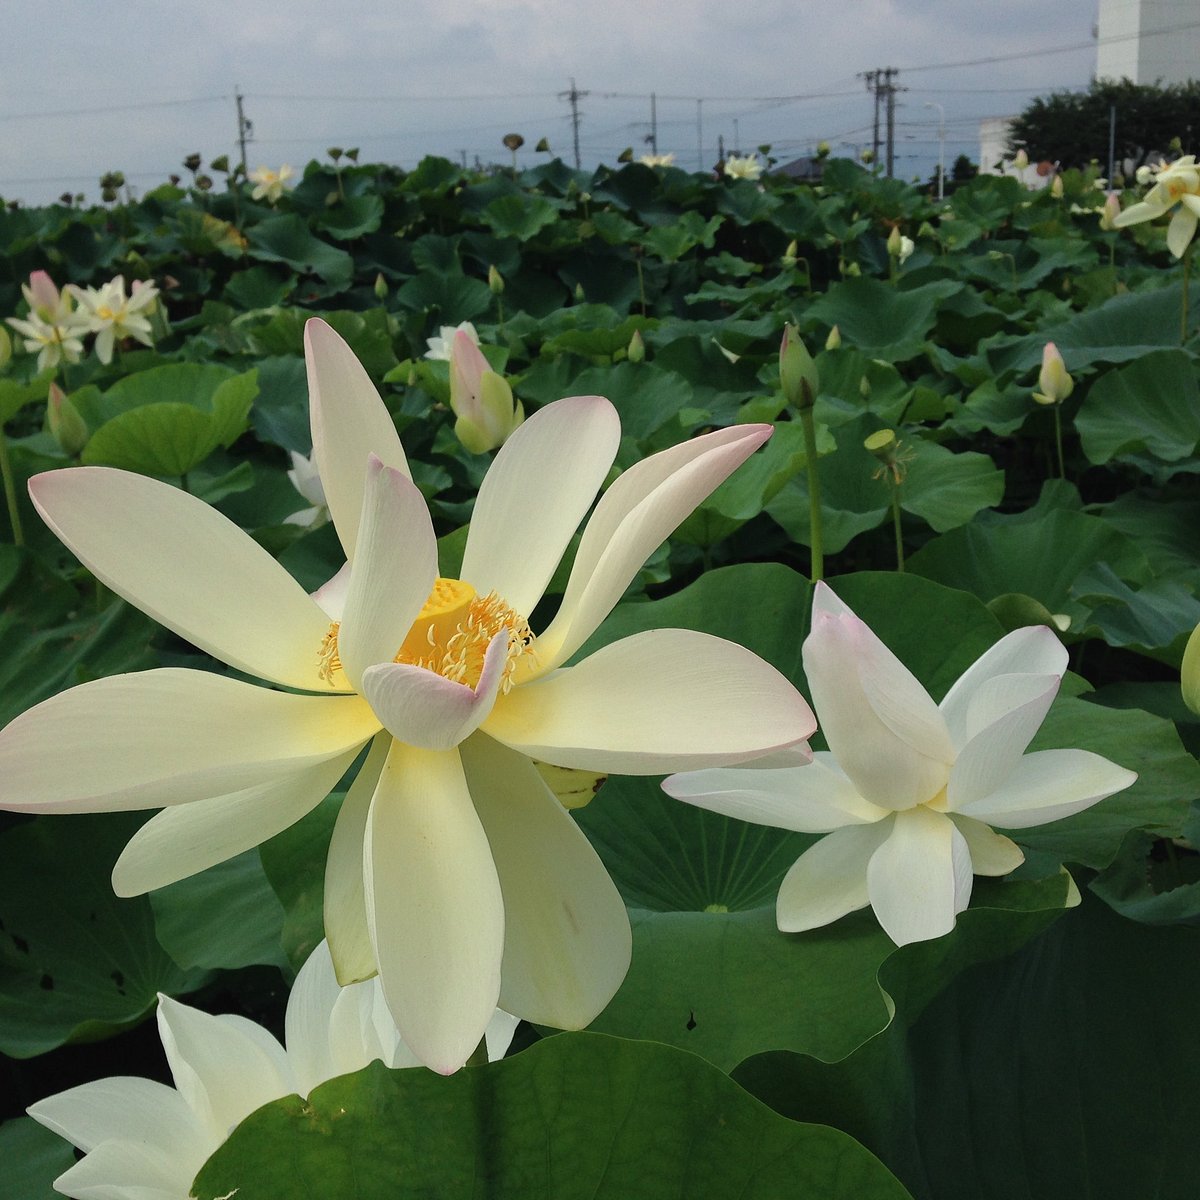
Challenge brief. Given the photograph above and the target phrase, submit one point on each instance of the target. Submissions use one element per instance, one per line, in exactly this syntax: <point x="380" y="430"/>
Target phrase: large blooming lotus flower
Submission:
<point x="145" y="1141"/>
<point x="909" y="789"/>
<point x="450" y="854"/>
<point x="110" y="314"/>
<point x="1176" y="183"/>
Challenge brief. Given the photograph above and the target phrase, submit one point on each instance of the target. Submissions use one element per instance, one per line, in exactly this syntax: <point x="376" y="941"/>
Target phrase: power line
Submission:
<point x="115" y="108"/>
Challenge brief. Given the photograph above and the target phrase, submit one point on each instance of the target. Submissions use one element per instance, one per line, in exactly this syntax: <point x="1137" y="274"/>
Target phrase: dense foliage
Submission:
<point x="1044" y="1048"/>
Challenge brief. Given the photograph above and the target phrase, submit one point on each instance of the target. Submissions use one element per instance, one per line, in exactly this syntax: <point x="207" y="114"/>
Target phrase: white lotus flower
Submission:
<point x="143" y="1140"/>
<point x="269" y="185"/>
<point x="110" y="314"/>
<point x="657" y="160"/>
<point x="1176" y="183"/>
<point x="909" y="789"/>
<point x="743" y="168"/>
<point x="53" y="330"/>
<point x="450" y="853"/>
<point x="306" y="479"/>
<point x="440" y="347"/>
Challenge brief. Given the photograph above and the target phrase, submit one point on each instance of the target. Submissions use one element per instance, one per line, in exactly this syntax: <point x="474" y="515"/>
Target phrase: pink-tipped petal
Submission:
<point x="635" y="516"/>
<point x="349" y="423"/>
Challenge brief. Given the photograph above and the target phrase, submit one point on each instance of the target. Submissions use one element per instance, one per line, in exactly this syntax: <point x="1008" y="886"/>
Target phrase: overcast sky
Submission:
<point x="88" y="86"/>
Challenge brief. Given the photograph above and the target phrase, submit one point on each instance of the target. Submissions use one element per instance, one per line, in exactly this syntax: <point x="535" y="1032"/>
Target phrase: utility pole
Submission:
<point x="880" y="84"/>
<point x="1112" y="144"/>
<point x="872" y="81"/>
<point x="700" y="135"/>
<point x="889" y="73"/>
<point x="941" y="147"/>
<point x="653" y="123"/>
<point x="245" y="126"/>
<point x="574" y="96"/>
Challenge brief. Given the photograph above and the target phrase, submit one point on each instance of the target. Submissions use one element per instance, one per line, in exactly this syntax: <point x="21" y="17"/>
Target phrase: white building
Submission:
<point x="1149" y="41"/>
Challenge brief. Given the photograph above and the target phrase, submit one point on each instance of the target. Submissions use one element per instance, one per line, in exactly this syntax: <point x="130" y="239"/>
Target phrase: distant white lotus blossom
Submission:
<point x="53" y="329"/>
<point x="143" y="1140"/>
<point x="743" y="168"/>
<point x="909" y="789"/>
<point x="269" y="185"/>
<point x="110" y="314"/>
<point x="306" y="479"/>
<point x="657" y="160"/>
<point x="441" y="345"/>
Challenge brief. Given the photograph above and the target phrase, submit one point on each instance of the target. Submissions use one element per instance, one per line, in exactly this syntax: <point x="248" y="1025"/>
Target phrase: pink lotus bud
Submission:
<point x="42" y="295"/>
<point x="1111" y="211"/>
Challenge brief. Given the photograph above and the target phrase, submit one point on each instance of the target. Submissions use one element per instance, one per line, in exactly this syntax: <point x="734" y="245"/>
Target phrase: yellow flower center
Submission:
<point x="105" y="313"/>
<point x="450" y="636"/>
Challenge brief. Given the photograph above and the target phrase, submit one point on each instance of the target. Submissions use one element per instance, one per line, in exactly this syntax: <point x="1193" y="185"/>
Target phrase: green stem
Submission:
<point x="499" y="310"/>
<point x="1183" y="300"/>
<point x="895" y="489"/>
<point x="814" y="495"/>
<point x="641" y="285"/>
<point x="10" y="492"/>
<point x="1062" y="470"/>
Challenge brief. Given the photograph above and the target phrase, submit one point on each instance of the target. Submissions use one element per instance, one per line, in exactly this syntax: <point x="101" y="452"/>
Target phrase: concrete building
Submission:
<point x="1149" y="41"/>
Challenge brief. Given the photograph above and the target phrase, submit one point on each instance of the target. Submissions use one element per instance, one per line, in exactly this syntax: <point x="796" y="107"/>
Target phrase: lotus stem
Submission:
<point x="1062" y="470"/>
<point x="10" y="492"/>
<point x="814" y="495"/>
<point x="1183" y="300"/>
<point x="895" y="490"/>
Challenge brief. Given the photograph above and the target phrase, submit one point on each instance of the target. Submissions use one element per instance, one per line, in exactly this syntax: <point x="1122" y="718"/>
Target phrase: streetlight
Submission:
<point x="941" y="147"/>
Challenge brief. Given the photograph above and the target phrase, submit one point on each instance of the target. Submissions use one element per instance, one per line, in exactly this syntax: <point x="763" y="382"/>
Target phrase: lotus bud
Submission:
<point x="1054" y="384"/>
<point x="579" y="293"/>
<point x="41" y="295"/>
<point x="867" y="156"/>
<point x="1143" y="175"/>
<point x="797" y="371"/>
<point x="481" y="399"/>
<point x="495" y="281"/>
<point x="1020" y="159"/>
<point x="1056" y="188"/>
<point x="1189" y="672"/>
<point x="381" y="287"/>
<point x="852" y="270"/>
<point x="64" y="422"/>
<point x="1110" y="211"/>
<point x="823" y="149"/>
<point x="543" y="146"/>
<point x="637" y="347"/>
<point x="864" y="387"/>
<point x="5" y="348"/>
<point x="834" y="340"/>
<point x="926" y="230"/>
<point x="790" y="254"/>
<point x="1176" y="145"/>
<point x="894" y="242"/>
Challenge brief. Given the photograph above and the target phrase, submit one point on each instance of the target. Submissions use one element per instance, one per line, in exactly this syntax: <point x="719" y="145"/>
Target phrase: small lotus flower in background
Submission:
<point x="747" y="167"/>
<point x="110" y="314"/>
<point x="1020" y="160"/>
<point x="1176" y="183"/>
<point x="899" y="247"/>
<point x="53" y="328"/>
<point x="144" y="1139"/>
<point x="481" y="398"/>
<point x="823" y="149"/>
<point x="65" y="423"/>
<point x="657" y="160"/>
<point x="439" y="346"/>
<point x="909" y="789"/>
<point x="1054" y="383"/>
<point x="306" y="480"/>
<point x="450" y="856"/>
<point x="270" y="185"/>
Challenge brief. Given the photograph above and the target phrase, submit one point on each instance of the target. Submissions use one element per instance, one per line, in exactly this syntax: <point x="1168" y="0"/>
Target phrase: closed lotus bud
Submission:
<point x="1189" y="672"/>
<point x="64" y="422"/>
<point x="1056" y="188"/>
<point x="834" y="340"/>
<point x="790" y="254"/>
<point x="1110" y="211"/>
<point x="381" y="287"/>
<point x="579" y="293"/>
<point x="1020" y="159"/>
<point x="852" y="270"/>
<point x="5" y="348"/>
<point x="335" y="152"/>
<point x="481" y="399"/>
<point x="823" y="149"/>
<point x="867" y="156"/>
<point x="1176" y="145"/>
<point x="543" y="146"/>
<point x="864" y="387"/>
<point x="637" y="347"/>
<point x="495" y="281"/>
<point x="626" y="155"/>
<point x="797" y="371"/>
<point x="220" y="164"/>
<point x="1054" y="384"/>
<point x="514" y="141"/>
